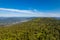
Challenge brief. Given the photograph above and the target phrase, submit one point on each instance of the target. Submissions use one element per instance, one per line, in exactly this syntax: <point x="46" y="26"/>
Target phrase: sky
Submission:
<point x="29" y="8"/>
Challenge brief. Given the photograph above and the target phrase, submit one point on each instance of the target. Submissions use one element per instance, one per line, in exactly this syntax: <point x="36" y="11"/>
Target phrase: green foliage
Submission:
<point x="36" y="29"/>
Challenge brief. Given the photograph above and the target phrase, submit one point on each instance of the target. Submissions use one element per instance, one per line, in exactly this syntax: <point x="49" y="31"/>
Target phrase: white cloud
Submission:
<point x="4" y="12"/>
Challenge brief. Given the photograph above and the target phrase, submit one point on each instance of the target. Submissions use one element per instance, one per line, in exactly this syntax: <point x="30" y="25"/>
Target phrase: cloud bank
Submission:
<point x="4" y="12"/>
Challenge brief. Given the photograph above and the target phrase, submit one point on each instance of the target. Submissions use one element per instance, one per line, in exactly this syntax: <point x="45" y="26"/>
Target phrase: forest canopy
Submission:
<point x="35" y="29"/>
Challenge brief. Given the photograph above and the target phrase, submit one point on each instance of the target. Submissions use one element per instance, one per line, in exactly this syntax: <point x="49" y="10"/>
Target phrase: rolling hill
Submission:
<point x="35" y="29"/>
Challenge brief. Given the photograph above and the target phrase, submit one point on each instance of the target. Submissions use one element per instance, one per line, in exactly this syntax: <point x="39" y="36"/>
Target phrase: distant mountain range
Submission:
<point x="12" y="20"/>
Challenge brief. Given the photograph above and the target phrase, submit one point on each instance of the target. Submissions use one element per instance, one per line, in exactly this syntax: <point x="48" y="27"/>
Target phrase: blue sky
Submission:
<point x="42" y="8"/>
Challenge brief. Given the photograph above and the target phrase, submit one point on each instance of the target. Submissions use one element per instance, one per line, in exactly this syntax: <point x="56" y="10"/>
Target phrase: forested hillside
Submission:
<point x="35" y="29"/>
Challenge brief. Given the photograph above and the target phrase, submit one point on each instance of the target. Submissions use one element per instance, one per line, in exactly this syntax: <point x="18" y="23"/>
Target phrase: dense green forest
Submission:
<point x="35" y="29"/>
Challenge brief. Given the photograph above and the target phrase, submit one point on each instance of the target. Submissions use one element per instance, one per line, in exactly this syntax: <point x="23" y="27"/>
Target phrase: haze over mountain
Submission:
<point x="12" y="20"/>
<point x="15" y="20"/>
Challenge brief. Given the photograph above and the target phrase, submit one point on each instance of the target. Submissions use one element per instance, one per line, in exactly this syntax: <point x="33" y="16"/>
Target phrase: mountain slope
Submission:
<point x="36" y="29"/>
